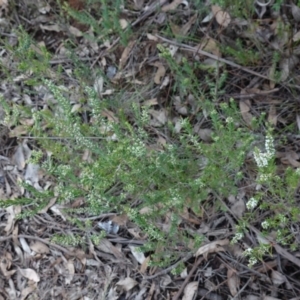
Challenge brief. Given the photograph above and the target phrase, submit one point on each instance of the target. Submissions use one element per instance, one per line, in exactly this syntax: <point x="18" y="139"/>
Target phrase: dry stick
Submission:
<point x="195" y="266"/>
<point x="165" y="271"/>
<point x="2" y="239"/>
<point x="215" y="57"/>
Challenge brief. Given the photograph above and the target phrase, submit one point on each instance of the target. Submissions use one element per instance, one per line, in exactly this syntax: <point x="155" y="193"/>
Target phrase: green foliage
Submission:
<point x="124" y="175"/>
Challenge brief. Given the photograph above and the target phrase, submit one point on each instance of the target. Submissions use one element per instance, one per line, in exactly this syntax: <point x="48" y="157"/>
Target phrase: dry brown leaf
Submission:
<point x="28" y="290"/>
<point x="233" y="281"/>
<point x="245" y="106"/>
<point x="106" y="246"/>
<point x="39" y="247"/>
<point x="145" y="265"/>
<point x="25" y="246"/>
<point x="239" y="208"/>
<point x="190" y="290"/>
<point x="277" y="278"/>
<point x="54" y="27"/>
<point x="110" y="116"/>
<point x="150" y="102"/>
<point x="290" y="158"/>
<point x="75" y="31"/>
<point x="70" y="271"/>
<point x="30" y="274"/>
<point x="212" y="247"/>
<point x="139" y="256"/>
<point x="173" y="5"/>
<point x="210" y="45"/>
<point x="123" y="23"/>
<point x="160" y="73"/>
<point x="296" y="36"/>
<point x="5" y="264"/>
<point x="3" y="6"/>
<point x="138" y="4"/>
<point x="180" y="106"/>
<point x="204" y="133"/>
<point x="175" y="28"/>
<point x="298" y="121"/>
<point x="127" y="283"/>
<point x="287" y="65"/>
<point x="222" y="17"/>
<point x="12" y="212"/>
<point x="125" y="54"/>
<point x="152" y="37"/>
<point x="159" y="117"/>
<point x="187" y="26"/>
<point x="295" y="12"/>
<point x="272" y="117"/>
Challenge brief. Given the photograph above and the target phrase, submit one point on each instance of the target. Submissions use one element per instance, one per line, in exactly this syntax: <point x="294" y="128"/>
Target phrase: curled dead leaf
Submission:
<point x="160" y="73"/>
<point x="190" y="290"/>
<point x="127" y="283"/>
<point x="212" y="247"/>
<point x="222" y="17"/>
<point x="295" y="12"/>
<point x="39" y="247"/>
<point x="272" y="116"/>
<point x="30" y="274"/>
<point x="233" y="281"/>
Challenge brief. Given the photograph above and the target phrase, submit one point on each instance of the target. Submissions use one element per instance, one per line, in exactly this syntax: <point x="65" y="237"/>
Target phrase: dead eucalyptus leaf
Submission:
<point x="239" y="208"/>
<point x="233" y="281"/>
<point x="204" y="133"/>
<point x="138" y="4"/>
<point x="212" y="247"/>
<point x="30" y="274"/>
<point x="272" y="116"/>
<point x="160" y="73"/>
<point x="190" y="290"/>
<point x="222" y="17"/>
<point x="295" y="12"/>
<point x="39" y="247"/>
<point x="245" y="106"/>
<point x="123" y="23"/>
<point x="125" y="54"/>
<point x="173" y="5"/>
<point x="159" y="117"/>
<point x="287" y="65"/>
<point x="127" y="284"/>
<point x="277" y="278"/>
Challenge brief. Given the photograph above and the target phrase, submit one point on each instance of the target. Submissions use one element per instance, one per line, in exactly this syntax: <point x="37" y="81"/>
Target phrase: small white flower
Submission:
<point x="252" y="203"/>
<point x="265" y="224"/>
<point x="229" y="120"/>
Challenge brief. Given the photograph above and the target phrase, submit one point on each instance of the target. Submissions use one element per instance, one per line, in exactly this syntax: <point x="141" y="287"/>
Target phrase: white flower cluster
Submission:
<point x="265" y="224"/>
<point x="229" y="120"/>
<point x="252" y="203"/>
<point x="252" y="259"/>
<point x="262" y="159"/>
<point x="63" y="170"/>
<point x="237" y="237"/>
<point x="138" y="148"/>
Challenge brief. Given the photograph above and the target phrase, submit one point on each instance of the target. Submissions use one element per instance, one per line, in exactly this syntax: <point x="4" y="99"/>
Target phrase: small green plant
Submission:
<point x="124" y="174"/>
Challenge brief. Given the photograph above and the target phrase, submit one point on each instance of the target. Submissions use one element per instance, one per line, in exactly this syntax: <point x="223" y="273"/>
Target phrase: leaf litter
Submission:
<point x="110" y="266"/>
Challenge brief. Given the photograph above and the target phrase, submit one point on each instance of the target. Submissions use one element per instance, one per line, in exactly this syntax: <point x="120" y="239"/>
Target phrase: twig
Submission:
<point x="195" y="266"/>
<point x="167" y="270"/>
<point x="242" y="289"/>
<point x="215" y="57"/>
